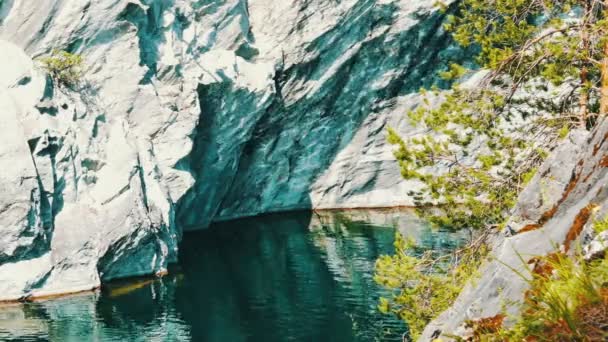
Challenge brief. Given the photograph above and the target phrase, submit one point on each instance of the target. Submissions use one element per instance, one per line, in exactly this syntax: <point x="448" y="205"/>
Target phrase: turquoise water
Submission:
<point x="289" y="277"/>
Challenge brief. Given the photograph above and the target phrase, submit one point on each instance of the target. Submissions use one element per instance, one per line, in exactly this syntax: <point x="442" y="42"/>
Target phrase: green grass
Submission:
<point x="567" y="301"/>
<point x="601" y="226"/>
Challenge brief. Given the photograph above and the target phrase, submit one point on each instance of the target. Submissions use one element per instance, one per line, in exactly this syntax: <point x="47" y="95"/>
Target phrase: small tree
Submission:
<point x="529" y="47"/>
<point x="426" y="285"/>
<point x="483" y="143"/>
<point x="559" y="41"/>
<point x="64" y="68"/>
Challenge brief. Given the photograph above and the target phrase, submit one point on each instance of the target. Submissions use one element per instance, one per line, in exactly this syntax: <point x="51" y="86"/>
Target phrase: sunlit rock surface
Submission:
<point x="195" y="111"/>
<point x="73" y="213"/>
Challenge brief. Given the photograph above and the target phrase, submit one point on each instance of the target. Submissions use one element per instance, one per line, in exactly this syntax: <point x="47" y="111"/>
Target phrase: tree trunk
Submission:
<point x="584" y="98"/>
<point x="604" y="71"/>
<point x="586" y="49"/>
<point x="604" y="82"/>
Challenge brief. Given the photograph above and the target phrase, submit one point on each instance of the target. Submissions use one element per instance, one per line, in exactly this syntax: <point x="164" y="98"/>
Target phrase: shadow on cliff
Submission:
<point x="252" y="156"/>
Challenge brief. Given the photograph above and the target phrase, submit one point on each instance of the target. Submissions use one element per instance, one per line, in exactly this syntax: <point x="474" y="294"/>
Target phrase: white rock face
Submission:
<point x="195" y="111"/>
<point x="72" y="214"/>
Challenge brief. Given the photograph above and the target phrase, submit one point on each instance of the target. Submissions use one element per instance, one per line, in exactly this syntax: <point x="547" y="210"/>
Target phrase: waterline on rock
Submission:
<point x="298" y="276"/>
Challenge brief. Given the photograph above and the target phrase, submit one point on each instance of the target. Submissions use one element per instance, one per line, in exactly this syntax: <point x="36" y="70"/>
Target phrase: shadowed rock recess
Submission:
<point x="192" y="112"/>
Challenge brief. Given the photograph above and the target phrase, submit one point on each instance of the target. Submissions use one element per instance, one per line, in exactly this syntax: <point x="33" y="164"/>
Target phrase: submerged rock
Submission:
<point x="192" y="112"/>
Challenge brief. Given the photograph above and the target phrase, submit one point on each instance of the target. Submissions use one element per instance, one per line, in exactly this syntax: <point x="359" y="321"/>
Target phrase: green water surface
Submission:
<point x="288" y="277"/>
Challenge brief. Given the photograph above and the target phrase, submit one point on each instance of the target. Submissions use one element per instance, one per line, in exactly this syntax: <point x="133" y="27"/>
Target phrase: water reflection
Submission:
<point x="289" y="277"/>
<point x="140" y="316"/>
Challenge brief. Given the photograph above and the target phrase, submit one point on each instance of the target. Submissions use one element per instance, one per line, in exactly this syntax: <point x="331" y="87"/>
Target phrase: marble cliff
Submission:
<point x="191" y="112"/>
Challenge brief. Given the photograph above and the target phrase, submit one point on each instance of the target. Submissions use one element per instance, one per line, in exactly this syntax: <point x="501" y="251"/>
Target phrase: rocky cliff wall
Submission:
<point x="72" y="212"/>
<point x="195" y="111"/>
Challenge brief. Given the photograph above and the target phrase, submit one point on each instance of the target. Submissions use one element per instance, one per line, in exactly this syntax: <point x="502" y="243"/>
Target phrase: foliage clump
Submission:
<point x="567" y="301"/>
<point x="425" y="285"/>
<point x="64" y="68"/>
<point x="546" y="73"/>
<point x="600" y="226"/>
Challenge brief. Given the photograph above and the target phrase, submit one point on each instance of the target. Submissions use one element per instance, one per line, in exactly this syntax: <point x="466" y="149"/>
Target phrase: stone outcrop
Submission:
<point x="555" y="212"/>
<point x="73" y="213"/>
<point x="192" y="112"/>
